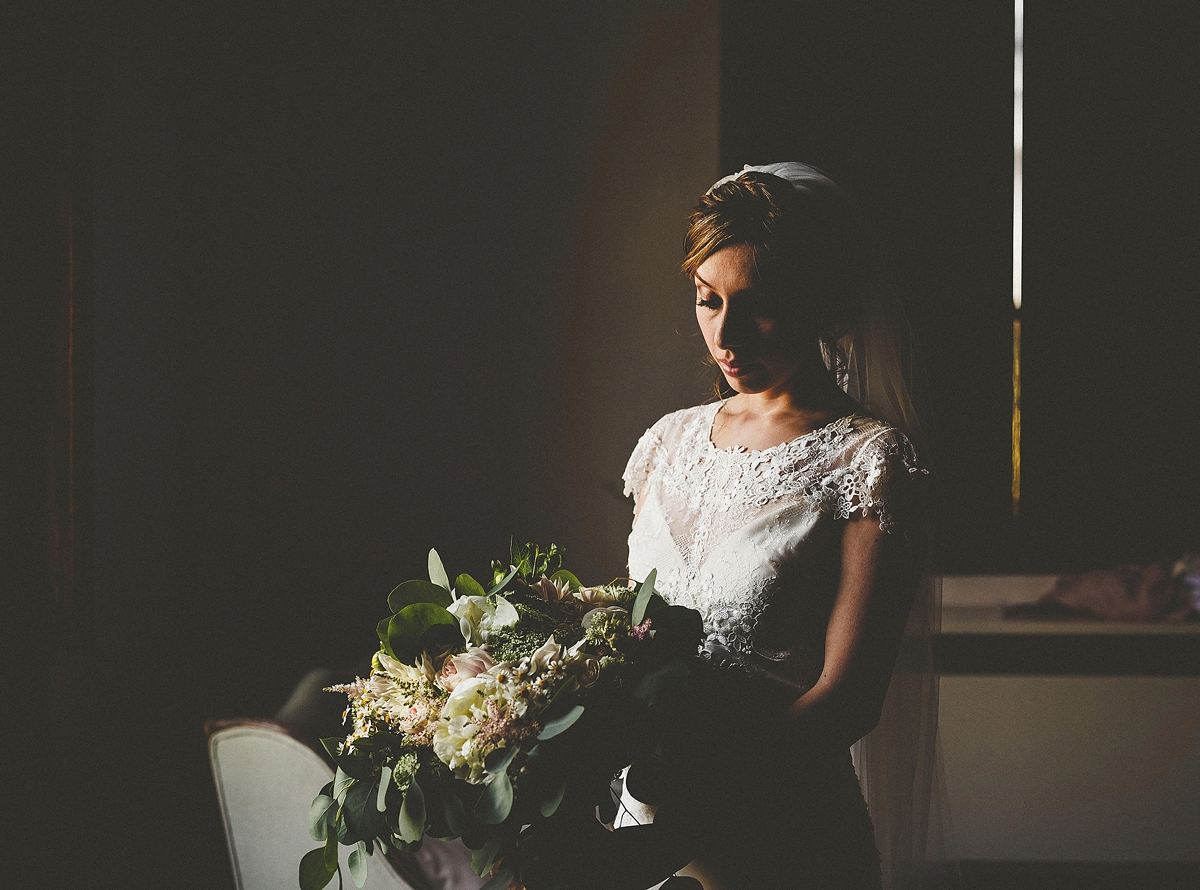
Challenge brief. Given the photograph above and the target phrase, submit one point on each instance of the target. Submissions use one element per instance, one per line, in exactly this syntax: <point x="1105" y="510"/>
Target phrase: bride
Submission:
<point x="786" y="513"/>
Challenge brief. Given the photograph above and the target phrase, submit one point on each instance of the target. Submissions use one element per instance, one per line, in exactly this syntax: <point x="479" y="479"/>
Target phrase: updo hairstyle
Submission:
<point x="803" y="242"/>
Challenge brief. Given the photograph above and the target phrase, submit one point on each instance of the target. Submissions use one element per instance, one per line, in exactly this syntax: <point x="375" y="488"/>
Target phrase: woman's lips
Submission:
<point x="734" y="367"/>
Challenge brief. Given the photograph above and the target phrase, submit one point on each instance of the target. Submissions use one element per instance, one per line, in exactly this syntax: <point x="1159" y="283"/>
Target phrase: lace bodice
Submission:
<point x="750" y="538"/>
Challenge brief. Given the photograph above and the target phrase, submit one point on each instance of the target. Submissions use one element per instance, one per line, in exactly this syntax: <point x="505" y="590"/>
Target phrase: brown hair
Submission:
<point x="803" y="244"/>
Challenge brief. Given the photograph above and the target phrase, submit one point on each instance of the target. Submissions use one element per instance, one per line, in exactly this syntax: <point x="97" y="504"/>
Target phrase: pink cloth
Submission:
<point x="1126" y="593"/>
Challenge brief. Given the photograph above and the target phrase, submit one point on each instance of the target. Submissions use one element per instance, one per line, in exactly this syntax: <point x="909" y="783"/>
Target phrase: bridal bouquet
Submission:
<point x="486" y="709"/>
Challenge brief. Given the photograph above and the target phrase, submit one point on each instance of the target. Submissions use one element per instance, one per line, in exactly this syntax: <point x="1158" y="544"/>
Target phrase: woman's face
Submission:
<point x="755" y="337"/>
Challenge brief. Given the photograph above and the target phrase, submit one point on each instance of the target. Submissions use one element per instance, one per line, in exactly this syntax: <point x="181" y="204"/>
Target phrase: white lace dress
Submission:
<point x="751" y="539"/>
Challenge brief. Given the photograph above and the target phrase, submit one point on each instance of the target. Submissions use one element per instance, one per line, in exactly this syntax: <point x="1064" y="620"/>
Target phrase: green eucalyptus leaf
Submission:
<point x="561" y="702"/>
<point x="333" y="746"/>
<point x="550" y="805"/>
<point x="358" y="864"/>
<point x="331" y="847"/>
<point x="381" y="631"/>
<point x="503" y="582"/>
<point x="638" y="614"/>
<point x="341" y="781"/>
<point x="496" y="801"/>
<point x="358" y="811"/>
<point x="437" y="571"/>
<point x="356" y="764"/>
<point x="454" y="811"/>
<point x="484" y="858"/>
<point x="411" y="823"/>
<point x="465" y="585"/>
<point x="318" y="816"/>
<point x="410" y="592"/>
<point x="563" y="575"/>
<point x="498" y="760"/>
<point x="410" y="624"/>
<point x="560" y="724"/>
<point x="499" y="880"/>
<point x="385" y="782"/>
<point x="314" y="874"/>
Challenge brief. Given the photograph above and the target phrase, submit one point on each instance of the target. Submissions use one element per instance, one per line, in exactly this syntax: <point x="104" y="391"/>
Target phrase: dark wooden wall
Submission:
<point x="911" y="107"/>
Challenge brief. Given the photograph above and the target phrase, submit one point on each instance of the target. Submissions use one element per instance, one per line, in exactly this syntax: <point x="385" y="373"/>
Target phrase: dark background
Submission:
<point x="327" y="302"/>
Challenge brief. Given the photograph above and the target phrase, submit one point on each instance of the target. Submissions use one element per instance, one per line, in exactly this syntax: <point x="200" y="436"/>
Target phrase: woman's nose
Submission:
<point x="730" y="330"/>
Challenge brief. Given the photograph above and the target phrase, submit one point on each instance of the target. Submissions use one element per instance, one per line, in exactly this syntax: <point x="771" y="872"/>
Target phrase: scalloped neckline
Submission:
<point x="779" y="446"/>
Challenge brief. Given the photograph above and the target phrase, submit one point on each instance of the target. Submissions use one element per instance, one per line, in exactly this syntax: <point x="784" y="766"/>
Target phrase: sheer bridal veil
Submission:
<point x="898" y="763"/>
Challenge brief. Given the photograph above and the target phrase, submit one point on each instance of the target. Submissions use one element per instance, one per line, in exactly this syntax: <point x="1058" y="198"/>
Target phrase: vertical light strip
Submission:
<point x="1016" y="419"/>
<point x="1018" y="140"/>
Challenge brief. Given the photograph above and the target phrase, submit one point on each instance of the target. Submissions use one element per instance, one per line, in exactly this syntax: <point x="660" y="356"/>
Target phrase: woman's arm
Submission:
<point x="866" y="625"/>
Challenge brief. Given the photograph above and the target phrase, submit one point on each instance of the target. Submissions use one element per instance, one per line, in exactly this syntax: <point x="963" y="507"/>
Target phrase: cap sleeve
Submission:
<point x="642" y="462"/>
<point x="879" y="480"/>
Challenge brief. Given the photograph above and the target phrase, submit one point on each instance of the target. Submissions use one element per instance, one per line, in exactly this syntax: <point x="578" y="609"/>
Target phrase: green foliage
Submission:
<point x="496" y="801"/>
<point x="385" y="782"/>
<point x="418" y="592"/>
<point x="549" y="805"/>
<point x="411" y="824"/>
<point x="483" y="860"/>
<point x="388" y="790"/>
<point x="529" y="561"/>
<point x="362" y="820"/>
<point x="642" y="605"/>
<point x="318" y="866"/>
<point x="320" y="814"/>
<point x="465" y="585"/>
<point x="419" y="627"/>
<point x="513" y="644"/>
<point x="560" y="724"/>
<point x="437" y="572"/>
<point x="358" y="864"/>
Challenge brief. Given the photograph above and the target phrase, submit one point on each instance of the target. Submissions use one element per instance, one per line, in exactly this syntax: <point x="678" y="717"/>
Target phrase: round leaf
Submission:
<point x="314" y="874"/>
<point x="563" y="575"/>
<point x="358" y="810"/>
<point x="318" y="816"/>
<point x="550" y="805"/>
<point x="406" y="628"/>
<point x="465" y="585"/>
<point x="561" y="724"/>
<point x="411" y="823"/>
<point x="498" y="760"/>
<point x="418" y="592"/>
<point x="496" y="801"/>
<point x="358" y="865"/>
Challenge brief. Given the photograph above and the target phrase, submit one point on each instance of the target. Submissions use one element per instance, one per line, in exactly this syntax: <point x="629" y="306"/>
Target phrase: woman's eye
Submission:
<point x="708" y="302"/>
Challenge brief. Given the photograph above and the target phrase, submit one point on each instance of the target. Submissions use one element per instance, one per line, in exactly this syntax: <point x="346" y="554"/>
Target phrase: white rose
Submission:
<point x="470" y="664"/>
<point x="472" y="612"/>
<point x="547" y="656"/>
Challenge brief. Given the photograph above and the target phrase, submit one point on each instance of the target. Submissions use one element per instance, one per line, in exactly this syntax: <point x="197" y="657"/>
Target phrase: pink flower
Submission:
<point x="641" y="631"/>
<point x="475" y="661"/>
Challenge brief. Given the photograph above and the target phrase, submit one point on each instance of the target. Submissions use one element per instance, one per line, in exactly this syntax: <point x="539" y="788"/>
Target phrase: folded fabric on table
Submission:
<point x="1125" y="593"/>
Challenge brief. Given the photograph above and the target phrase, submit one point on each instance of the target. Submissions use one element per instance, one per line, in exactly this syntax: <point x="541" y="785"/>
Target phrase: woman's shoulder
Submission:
<point x="868" y="435"/>
<point x="684" y="417"/>
<point x="663" y="438"/>
<point x="874" y="466"/>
